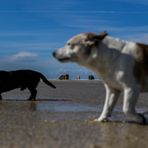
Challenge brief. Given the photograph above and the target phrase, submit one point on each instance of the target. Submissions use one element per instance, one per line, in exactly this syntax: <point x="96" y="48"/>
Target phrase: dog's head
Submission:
<point x="79" y="47"/>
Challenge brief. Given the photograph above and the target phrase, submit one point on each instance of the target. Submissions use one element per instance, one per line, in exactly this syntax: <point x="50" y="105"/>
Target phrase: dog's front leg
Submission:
<point x="130" y="99"/>
<point x="33" y="92"/>
<point x="112" y="96"/>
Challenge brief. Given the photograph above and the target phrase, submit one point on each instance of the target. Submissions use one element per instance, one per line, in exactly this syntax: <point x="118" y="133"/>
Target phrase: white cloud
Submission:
<point x="22" y="55"/>
<point x="20" y="60"/>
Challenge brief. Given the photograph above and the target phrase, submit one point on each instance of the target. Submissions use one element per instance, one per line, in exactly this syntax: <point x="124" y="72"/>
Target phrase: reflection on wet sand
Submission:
<point x="57" y="106"/>
<point x="33" y="106"/>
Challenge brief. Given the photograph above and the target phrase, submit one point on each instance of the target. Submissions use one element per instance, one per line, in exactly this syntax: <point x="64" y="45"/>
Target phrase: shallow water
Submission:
<point x="61" y="106"/>
<point x="66" y="106"/>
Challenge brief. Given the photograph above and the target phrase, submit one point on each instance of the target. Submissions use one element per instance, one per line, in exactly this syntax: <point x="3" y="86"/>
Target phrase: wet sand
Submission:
<point x="63" y="118"/>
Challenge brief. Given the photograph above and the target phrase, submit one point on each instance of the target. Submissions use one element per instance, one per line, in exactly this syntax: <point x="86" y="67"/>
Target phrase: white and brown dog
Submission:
<point x="123" y="66"/>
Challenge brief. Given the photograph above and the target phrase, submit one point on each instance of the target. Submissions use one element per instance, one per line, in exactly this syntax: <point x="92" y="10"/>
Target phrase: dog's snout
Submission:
<point x="54" y="54"/>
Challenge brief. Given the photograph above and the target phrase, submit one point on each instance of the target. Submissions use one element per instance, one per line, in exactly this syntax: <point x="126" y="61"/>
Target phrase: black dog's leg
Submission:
<point x="33" y="92"/>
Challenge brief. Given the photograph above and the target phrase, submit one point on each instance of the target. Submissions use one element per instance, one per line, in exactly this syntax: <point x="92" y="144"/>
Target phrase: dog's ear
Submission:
<point x="93" y="39"/>
<point x="102" y="35"/>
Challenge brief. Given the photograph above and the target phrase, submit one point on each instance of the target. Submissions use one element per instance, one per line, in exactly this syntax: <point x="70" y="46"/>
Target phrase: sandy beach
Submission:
<point x="63" y="118"/>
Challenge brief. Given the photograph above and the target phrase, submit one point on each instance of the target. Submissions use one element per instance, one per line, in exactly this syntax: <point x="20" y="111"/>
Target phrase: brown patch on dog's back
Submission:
<point x="144" y="58"/>
<point x="141" y="64"/>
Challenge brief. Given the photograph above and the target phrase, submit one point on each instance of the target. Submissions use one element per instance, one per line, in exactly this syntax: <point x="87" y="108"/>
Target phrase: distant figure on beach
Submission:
<point x="78" y="77"/>
<point x="123" y="65"/>
<point x="22" y="79"/>
<point x="91" y="77"/>
<point x="64" y="77"/>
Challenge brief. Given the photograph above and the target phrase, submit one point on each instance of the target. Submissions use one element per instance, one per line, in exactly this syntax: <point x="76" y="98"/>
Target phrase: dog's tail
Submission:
<point x="46" y="81"/>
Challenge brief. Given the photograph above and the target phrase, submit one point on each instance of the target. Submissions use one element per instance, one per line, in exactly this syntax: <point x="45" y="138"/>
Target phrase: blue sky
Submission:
<point x="30" y="30"/>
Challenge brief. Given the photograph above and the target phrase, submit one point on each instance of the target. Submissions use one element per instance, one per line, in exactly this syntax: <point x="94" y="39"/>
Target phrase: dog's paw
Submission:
<point x="144" y="120"/>
<point x="139" y="120"/>
<point x="31" y="99"/>
<point x="101" y="119"/>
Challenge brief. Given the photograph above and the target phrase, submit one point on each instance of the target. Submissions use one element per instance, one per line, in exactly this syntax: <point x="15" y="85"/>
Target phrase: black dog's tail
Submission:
<point x="46" y="81"/>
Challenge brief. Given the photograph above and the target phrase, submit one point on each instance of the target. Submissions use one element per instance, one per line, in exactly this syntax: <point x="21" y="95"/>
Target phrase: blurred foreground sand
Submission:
<point x="63" y="118"/>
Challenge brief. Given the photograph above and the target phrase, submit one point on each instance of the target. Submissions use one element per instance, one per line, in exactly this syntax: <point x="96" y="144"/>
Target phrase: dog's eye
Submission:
<point x="68" y="44"/>
<point x="71" y="45"/>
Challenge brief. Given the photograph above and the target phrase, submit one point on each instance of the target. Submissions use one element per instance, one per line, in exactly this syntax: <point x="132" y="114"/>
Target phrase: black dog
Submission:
<point x="22" y="79"/>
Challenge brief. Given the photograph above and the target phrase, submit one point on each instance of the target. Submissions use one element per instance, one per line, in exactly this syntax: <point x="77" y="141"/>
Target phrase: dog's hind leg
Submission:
<point x="112" y="96"/>
<point x="33" y="92"/>
<point x="131" y="95"/>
